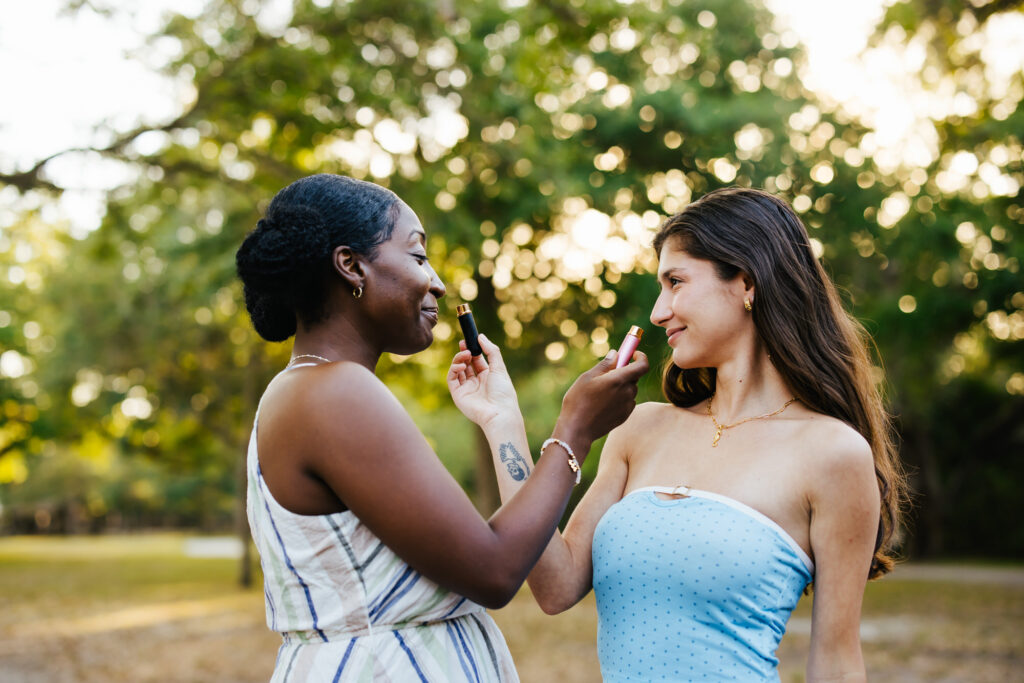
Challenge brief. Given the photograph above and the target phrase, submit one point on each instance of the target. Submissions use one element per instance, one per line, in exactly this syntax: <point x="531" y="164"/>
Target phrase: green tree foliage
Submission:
<point x="541" y="146"/>
<point x="956" y="360"/>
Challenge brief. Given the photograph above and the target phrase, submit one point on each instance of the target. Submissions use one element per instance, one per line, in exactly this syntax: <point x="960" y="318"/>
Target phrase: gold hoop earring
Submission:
<point x="357" y="292"/>
<point x="746" y="306"/>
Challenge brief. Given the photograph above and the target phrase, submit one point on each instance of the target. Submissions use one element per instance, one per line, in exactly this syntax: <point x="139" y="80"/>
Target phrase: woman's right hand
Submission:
<point x="481" y="388"/>
<point x="599" y="400"/>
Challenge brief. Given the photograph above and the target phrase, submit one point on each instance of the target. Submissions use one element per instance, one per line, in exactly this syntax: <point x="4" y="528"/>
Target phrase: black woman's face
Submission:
<point x="404" y="289"/>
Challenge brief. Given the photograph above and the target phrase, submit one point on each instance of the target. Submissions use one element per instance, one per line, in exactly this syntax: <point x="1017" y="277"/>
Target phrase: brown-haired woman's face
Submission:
<point x="402" y="288"/>
<point x="702" y="314"/>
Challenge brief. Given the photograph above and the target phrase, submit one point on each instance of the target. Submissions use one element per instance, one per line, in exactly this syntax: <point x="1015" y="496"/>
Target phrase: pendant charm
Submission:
<point x="718" y="435"/>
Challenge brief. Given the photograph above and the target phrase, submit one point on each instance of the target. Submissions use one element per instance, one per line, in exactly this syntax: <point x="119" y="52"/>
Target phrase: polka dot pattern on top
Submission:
<point x="692" y="589"/>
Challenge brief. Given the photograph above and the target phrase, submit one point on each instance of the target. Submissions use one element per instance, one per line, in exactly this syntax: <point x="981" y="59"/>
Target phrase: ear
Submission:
<point x="748" y="286"/>
<point x="349" y="266"/>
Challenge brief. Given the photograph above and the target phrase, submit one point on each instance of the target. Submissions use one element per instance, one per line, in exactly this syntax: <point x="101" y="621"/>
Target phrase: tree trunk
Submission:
<point x="242" y="483"/>
<point x="242" y="525"/>
<point x="927" y="486"/>
<point x="932" y="507"/>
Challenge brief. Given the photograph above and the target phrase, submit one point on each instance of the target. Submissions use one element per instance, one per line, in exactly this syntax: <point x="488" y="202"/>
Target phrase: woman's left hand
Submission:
<point x="480" y="386"/>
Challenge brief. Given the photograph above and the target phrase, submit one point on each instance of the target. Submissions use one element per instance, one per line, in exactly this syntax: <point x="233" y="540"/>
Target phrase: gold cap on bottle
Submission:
<point x="462" y="309"/>
<point x="636" y="331"/>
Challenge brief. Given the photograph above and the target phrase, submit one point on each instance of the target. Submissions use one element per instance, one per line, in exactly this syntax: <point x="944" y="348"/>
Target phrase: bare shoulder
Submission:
<point x="644" y="426"/>
<point x="648" y="412"/>
<point x="344" y="382"/>
<point x="345" y="371"/>
<point x="333" y="396"/>
<point x="833" y="452"/>
<point x="645" y="418"/>
<point x="835" y="439"/>
<point x="844" y="502"/>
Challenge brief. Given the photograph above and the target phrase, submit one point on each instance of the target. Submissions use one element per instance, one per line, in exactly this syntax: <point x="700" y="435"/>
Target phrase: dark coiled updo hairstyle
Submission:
<point x="819" y="349"/>
<point x="285" y="263"/>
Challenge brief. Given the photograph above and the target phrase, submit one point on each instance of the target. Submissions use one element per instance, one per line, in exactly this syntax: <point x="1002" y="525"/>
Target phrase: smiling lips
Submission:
<point x="673" y="333"/>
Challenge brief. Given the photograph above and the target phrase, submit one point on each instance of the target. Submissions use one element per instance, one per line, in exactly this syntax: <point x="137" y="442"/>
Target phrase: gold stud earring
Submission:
<point x="746" y="306"/>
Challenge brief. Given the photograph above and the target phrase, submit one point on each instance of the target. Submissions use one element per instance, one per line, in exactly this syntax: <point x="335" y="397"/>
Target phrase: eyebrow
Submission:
<point x="664" y="275"/>
<point x="418" y="233"/>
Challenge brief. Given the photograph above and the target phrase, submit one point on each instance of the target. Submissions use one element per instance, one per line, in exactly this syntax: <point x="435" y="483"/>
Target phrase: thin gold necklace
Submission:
<point x="309" y="355"/>
<point x="719" y="428"/>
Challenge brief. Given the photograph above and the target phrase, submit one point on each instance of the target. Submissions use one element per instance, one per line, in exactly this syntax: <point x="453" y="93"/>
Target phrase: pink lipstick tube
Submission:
<point x="629" y="345"/>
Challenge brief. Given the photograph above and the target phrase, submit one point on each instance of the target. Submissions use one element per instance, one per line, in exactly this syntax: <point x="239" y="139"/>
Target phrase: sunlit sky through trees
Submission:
<point x="82" y="75"/>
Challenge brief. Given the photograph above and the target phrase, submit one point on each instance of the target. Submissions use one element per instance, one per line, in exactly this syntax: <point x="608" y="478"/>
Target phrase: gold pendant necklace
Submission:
<point x="719" y="428"/>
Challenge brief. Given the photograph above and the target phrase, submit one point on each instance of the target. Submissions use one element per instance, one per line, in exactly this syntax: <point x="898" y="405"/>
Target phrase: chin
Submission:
<point x="411" y="347"/>
<point x="687" y="362"/>
<point x="682" y="362"/>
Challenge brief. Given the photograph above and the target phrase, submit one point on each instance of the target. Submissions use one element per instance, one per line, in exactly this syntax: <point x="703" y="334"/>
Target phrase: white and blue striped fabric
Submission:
<point x="349" y="609"/>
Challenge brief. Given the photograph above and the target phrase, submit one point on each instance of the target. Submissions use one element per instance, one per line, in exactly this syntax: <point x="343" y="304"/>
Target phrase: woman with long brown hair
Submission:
<point x="772" y="467"/>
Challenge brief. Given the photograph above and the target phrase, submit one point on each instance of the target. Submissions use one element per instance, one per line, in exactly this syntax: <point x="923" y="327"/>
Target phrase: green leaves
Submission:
<point x="541" y="147"/>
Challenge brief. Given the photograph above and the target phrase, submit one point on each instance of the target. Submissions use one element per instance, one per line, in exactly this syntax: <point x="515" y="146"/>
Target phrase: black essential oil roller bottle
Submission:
<point x="468" y="326"/>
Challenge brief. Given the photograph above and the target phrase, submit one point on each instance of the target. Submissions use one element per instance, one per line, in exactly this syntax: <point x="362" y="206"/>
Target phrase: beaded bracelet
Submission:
<point x="574" y="464"/>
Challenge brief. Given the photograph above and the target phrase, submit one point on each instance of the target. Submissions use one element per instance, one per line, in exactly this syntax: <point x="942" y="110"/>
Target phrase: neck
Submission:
<point x="748" y="385"/>
<point x="337" y="340"/>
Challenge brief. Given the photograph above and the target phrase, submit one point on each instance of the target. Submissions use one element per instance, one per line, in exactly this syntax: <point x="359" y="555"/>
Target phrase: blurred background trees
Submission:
<point x="541" y="145"/>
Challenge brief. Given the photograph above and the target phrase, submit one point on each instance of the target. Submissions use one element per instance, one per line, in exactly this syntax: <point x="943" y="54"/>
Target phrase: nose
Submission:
<point x="662" y="311"/>
<point x="437" y="287"/>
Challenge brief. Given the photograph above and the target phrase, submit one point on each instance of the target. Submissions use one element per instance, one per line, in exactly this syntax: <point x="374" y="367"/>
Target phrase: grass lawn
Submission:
<point x="135" y="608"/>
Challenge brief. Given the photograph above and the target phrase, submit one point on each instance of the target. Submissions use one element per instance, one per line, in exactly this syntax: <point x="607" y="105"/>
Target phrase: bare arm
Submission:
<point x="844" y="521"/>
<point x="563" y="575"/>
<point x="349" y="432"/>
<point x="365" y="447"/>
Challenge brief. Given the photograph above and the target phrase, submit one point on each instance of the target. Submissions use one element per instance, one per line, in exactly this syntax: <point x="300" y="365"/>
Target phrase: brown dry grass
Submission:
<point x="113" y="609"/>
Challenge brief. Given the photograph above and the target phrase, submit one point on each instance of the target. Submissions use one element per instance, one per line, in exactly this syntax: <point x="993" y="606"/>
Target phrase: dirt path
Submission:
<point x="959" y="573"/>
<point x="924" y="623"/>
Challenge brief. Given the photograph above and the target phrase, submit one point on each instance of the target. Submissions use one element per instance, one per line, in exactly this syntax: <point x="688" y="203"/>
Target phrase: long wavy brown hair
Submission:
<point x="820" y="350"/>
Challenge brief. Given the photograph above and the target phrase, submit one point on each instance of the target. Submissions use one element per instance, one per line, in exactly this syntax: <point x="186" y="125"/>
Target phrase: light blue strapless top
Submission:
<point x="693" y="589"/>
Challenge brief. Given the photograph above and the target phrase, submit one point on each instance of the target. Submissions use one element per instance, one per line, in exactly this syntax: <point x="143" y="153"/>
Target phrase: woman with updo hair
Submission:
<point x="376" y="565"/>
<point x="771" y="467"/>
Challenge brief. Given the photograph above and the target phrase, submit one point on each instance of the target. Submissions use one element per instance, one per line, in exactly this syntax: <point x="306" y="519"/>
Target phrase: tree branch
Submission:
<point x="33" y="179"/>
<point x="995" y="7"/>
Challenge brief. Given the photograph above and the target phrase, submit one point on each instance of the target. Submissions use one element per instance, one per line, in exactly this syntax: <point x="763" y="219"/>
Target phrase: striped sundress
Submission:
<point x="349" y="609"/>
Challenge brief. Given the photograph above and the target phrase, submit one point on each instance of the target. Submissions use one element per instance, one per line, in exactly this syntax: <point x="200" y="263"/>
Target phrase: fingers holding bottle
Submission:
<point x="480" y="384"/>
<point x="475" y="364"/>
<point x="629" y="345"/>
<point x="601" y="398"/>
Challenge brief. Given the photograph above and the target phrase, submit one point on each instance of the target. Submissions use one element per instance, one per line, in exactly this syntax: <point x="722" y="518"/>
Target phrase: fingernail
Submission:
<point x="608" y="356"/>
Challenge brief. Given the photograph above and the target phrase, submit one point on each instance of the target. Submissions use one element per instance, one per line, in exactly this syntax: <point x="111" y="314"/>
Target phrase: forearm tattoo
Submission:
<point x="516" y="464"/>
